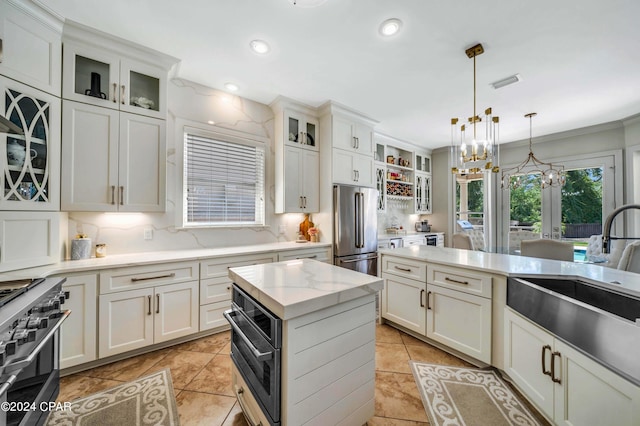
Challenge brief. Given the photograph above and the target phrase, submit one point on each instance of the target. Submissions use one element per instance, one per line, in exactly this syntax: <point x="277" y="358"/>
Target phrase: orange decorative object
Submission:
<point x="305" y="225"/>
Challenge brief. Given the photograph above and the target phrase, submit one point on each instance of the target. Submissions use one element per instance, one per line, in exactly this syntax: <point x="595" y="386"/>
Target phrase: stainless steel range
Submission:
<point x="30" y="318"/>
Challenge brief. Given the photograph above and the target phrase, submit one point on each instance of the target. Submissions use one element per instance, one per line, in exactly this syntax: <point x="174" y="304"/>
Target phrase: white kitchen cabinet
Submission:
<point x="352" y="169"/>
<point x="112" y="161"/>
<point x="353" y="136"/>
<point x="103" y="77"/>
<point x="459" y="310"/>
<point x="143" y="305"/>
<point x="297" y="182"/>
<point x="567" y="386"/>
<point x="301" y="130"/>
<point x="30" y="45"/>
<point x="215" y="286"/>
<point x="78" y="334"/>
<point x="404" y="302"/>
<point x="321" y="254"/>
<point x="423" y="193"/>
<point x="29" y="163"/>
<point x="29" y="239"/>
<point x="459" y="320"/>
<point x="137" y="318"/>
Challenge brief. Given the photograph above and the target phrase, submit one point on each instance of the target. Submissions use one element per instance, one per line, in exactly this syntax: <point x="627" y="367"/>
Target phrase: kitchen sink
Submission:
<point x="600" y="322"/>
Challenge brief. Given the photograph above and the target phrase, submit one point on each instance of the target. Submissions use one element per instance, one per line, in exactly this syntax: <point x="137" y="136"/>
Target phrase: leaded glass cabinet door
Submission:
<point x="30" y="162"/>
<point x="380" y="186"/>
<point x="423" y="193"/>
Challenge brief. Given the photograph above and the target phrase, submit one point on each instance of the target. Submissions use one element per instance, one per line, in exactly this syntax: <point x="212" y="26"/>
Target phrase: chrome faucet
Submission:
<point x="606" y="233"/>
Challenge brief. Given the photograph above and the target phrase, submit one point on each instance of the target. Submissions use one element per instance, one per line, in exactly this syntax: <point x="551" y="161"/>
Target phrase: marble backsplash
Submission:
<point x="124" y="232"/>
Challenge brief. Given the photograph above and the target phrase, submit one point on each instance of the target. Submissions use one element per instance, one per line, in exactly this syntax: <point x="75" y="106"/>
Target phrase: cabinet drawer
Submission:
<point x="219" y="267"/>
<point x="465" y="280"/>
<point x="147" y="276"/>
<point x="211" y="315"/>
<point x="215" y="290"/>
<point x="407" y="268"/>
<point x="321" y="255"/>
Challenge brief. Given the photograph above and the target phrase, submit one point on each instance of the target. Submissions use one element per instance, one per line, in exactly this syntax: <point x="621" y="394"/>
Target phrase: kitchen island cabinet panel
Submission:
<point x="78" y="339"/>
<point x="403" y="302"/>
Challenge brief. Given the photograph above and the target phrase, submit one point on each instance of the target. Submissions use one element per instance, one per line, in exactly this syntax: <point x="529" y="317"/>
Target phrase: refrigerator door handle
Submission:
<point x="356" y="217"/>
<point x="361" y="219"/>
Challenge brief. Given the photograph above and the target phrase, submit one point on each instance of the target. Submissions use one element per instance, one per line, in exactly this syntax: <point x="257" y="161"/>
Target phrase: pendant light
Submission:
<point x="481" y="155"/>
<point x="550" y="175"/>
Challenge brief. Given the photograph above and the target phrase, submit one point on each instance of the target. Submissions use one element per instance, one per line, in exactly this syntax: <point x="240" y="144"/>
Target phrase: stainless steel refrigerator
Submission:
<point x="355" y="236"/>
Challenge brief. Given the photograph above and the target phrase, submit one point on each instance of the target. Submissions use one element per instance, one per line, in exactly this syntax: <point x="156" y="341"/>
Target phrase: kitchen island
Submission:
<point x="462" y="301"/>
<point x="327" y="355"/>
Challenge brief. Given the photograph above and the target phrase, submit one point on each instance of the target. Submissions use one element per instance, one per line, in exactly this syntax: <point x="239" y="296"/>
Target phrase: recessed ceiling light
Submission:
<point x="506" y="81"/>
<point x="211" y="122"/>
<point x="232" y="87"/>
<point x="307" y="3"/>
<point x="259" y="46"/>
<point x="390" y="27"/>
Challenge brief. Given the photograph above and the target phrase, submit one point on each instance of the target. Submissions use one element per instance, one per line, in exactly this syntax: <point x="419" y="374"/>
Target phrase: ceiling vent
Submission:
<point x="506" y="81"/>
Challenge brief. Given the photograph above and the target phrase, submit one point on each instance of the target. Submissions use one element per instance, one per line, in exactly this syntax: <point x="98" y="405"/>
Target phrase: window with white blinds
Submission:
<point x="223" y="182"/>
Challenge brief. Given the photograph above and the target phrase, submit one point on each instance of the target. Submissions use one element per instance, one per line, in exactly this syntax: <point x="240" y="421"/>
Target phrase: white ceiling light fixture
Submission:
<point x="390" y="27"/>
<point x="307" y="3"/>
<point x="260" y="47"/>
<point x="483" y="155"/>
<point x="506" y="81"/>
<point x="232" y="87"/>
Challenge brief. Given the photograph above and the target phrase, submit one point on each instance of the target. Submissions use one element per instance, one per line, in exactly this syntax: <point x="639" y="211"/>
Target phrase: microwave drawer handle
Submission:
<point x="260" y="356"/>
<point x="29" y="359"/>
<point x="136" y="279"/>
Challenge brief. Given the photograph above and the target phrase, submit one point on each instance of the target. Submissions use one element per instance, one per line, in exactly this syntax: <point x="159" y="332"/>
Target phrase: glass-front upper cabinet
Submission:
<point x="30" y="162"/>
<point x="301" y="130"/>
<point x="97" y="77"/>
<point x="423" y="163"/>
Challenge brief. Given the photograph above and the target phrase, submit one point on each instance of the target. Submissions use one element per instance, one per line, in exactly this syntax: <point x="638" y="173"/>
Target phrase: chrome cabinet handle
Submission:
<point x="113" y="194"/>
<point x="149" y="300"/>
<point x="451" y="280"/>
<point x="115" y="93"/>
<point x="305" y="202"/>
<point x="136" y="279"/>
<point x="300" y="202"/>
<point x="544" y="359"/>
<point x="121" y="195"/>
<point x="557" y="380"/>
<point x="122" y="95"/>
<point x="158" y="303"/>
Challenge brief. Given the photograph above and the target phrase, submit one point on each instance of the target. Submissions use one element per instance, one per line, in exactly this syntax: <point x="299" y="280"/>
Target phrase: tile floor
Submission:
<point x="201" y="374"/>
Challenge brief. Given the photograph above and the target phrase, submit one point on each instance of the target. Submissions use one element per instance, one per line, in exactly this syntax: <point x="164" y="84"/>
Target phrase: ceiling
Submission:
<point x="579" y="59"/>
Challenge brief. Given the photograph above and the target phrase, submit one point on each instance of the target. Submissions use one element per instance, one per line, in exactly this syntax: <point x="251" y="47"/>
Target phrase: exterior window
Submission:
<point x="223" y="182"/>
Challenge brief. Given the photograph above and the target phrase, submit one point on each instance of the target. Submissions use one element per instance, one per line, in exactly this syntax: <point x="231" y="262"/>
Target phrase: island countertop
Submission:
<point x="513" y="265"/>
<point x="296" y="287"/>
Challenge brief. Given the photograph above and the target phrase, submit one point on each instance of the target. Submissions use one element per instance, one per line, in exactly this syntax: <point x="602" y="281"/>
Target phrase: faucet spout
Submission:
<point x="606" y="232"/>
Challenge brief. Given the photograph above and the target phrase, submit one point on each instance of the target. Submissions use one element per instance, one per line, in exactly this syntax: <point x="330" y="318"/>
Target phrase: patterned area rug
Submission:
<point x="146" y="401"/>
<point x="468" y="396"/>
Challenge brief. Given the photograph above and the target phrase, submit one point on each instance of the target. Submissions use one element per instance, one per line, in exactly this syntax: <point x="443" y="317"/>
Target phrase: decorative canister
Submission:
<point x="81" y="247"/>
<point x="101" y="250"/>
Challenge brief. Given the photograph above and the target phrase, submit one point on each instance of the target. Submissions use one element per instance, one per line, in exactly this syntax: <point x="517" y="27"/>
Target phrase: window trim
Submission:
<point x="226" y="135"/>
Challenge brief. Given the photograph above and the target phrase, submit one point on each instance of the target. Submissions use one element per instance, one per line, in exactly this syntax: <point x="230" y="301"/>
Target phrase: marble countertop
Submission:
<point x="136" y="259"/>
<point x="293" y="288"/>
<point x="512" y="265"/>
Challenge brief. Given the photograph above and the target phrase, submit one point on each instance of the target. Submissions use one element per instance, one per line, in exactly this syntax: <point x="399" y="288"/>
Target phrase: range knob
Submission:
<point x="36" y="322"/>
<point x="22" y="336"/>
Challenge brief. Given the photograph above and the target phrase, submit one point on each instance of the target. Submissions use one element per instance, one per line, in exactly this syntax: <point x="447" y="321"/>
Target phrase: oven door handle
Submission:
<point x="18" y="365"/>
<point x="260" y="356"/>
<point x="6" y="385"/>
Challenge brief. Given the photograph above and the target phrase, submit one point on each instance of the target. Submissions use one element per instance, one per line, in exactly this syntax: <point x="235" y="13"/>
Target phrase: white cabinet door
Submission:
<point x="460" y="320"/>
<point x="300" y="130"/>
<point x="423" y="193"/>
<point x="143" y="89"/>
<point x="78" y="335"/>
<point x="31" y="49"/>
<point x="29" y="239"/>
<point x="90" y="158"/>
<point x="352" y="136"/>
<point x="403" y="302"/>
<point x="300" y="181"/>
<point x="590" y="394"/>
<point x="311" y="181"/>
<point x="352" y="169"/>
<point x="142" y="164"/>
<point x="176" y="311"/>
<point x="527" y="355"/>
<point x="125" y="321"/>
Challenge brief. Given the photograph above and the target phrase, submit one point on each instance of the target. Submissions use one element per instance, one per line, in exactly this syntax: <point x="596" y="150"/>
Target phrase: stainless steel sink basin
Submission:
<point x="601" y="322"/>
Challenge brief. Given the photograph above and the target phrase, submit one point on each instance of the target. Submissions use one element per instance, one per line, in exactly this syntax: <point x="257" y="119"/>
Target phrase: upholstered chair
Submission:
<point x="462" y="241"/>
<point x="547" y="249"/>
